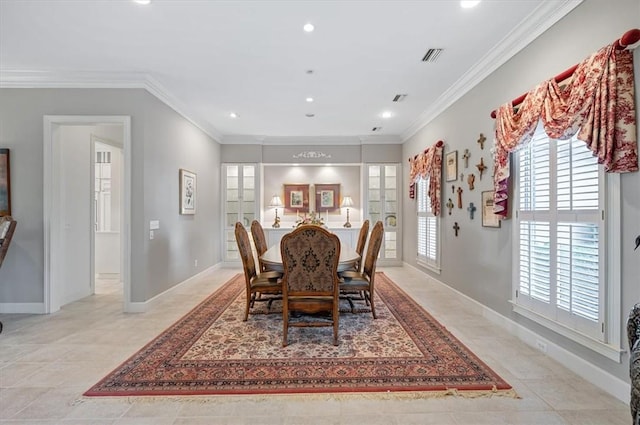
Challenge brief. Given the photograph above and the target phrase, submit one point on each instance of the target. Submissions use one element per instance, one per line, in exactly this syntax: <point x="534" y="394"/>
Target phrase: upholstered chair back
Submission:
<point x="244" y="248"/>
<point x="259" y="240"/>
<point x="375" y="242"/>
<point x="362" y="241"/>
<point x="310" y="256"/>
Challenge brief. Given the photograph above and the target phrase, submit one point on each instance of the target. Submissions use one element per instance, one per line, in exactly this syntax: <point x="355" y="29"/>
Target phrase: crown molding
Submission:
<point x="540" y="20"/>
<point x="111" y="80"/>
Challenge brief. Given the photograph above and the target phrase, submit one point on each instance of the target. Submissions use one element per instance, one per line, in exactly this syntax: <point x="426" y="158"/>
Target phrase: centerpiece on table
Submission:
<point x="311" y="219"/>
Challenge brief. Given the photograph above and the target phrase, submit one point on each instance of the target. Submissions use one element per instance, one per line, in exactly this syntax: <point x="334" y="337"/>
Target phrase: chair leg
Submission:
<point x="373" y="309"/>
<point x="285" y="324"/>
<point x="336" y="322"/>
<point x="246" y="310"/>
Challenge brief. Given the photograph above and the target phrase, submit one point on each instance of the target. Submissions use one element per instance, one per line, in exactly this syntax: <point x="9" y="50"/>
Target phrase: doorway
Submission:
<point x="70" y="208"/>
<point x="106" y="212"/>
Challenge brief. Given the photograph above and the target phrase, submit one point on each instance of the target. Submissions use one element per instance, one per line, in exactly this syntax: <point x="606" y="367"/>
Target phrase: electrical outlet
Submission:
<point x="195" y="263"/>
<point x="541" y="346"/>
<point x="150" y="234"/>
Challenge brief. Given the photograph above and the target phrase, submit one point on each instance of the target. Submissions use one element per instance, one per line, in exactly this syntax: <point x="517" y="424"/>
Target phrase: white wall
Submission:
<point x="75" y="210"/>
<point x="348" y="176"/>
<point x="162" y="142"/>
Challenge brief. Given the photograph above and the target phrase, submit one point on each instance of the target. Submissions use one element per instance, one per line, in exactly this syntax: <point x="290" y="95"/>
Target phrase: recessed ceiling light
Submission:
<point x="468" y="4"/>
<point x="309" y="115"/>
<point x="386" y="114"/>
<point x="142" y="1"/>
<point x="233" y="115"/>
<point x="309" y="99"/>
<point x="308" y="27"/>
<point x="309" y="71"/>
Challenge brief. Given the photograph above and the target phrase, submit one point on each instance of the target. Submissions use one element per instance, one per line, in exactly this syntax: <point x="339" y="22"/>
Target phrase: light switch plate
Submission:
<point x="154" y="224"/>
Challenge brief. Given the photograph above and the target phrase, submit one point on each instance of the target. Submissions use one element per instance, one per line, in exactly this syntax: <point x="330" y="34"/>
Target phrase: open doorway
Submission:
<point x="106" y="213"/>
<point x="70" y="209"/>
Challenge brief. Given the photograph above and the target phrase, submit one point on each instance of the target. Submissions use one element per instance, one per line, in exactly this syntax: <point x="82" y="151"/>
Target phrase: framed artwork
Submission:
<point x="187" y="192"/>
<point x="327" y="197"/>
<point x="451" y="164"/>
<point x="489" y="219"/>
<point x="296" y="198"/>
<point x="5" y="183"/>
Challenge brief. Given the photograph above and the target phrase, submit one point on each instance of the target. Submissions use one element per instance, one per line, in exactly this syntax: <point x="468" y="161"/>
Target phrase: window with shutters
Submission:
<point x="561" y="276"/>
<point x="428" y="243"/>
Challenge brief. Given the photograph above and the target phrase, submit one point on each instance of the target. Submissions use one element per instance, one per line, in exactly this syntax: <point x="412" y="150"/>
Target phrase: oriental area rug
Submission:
<point x="211" y="351"/>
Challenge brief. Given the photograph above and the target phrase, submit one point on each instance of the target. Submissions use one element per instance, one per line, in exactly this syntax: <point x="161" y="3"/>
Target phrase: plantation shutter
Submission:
<point x="427" y="224"/>
<point x="559" y="262"/>
<point x="577" y="244"/>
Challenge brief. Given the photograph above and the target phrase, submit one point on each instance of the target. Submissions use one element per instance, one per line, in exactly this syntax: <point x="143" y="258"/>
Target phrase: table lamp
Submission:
<point x="276" y="202"/>
<point x="347" y="202"/>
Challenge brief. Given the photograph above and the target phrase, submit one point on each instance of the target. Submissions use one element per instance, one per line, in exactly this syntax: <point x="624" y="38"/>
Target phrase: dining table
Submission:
<point x="273" y="258"/>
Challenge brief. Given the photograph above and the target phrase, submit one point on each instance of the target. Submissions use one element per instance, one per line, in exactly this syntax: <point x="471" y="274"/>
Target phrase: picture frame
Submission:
<point x="489" y="218"/>
<point x="451" y="166"/>
<point x="296" y="198"/>
<point x="187" y="192"/>
<point x="5" y="183"/>
<point x="327" y="197"/>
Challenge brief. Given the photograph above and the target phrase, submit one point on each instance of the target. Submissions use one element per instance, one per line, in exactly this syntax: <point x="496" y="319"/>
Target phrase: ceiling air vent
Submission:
<point x="376" y="129"/>
<point x="399" y="97"/>
<point x="432" y="55"/>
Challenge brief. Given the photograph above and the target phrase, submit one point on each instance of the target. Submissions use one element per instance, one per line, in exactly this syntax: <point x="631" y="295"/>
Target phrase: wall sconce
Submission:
<point x="276" y="202"/>
<point x="347" y="202"/>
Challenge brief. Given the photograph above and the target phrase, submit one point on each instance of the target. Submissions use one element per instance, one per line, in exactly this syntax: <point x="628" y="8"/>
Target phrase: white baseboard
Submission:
<point x="598" y="377"/>
<point x="141" y="307"/>
<point x="22" y="308"/>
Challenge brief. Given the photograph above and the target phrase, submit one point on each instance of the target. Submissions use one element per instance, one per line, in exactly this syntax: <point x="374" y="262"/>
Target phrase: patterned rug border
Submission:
<point x="226" y="294"/>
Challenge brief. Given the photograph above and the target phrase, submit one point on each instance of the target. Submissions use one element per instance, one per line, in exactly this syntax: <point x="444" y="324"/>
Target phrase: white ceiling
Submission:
<point x="209" y="58"/>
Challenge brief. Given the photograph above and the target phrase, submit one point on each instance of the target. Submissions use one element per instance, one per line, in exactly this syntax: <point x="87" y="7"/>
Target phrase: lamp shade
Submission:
<point x="275" y="202"/>
<point x="347" y="201"/>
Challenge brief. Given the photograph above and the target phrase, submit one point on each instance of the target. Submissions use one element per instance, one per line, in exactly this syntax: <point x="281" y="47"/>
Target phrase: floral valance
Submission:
<point x="428" y="164"/>
<point x="598" y="104"/>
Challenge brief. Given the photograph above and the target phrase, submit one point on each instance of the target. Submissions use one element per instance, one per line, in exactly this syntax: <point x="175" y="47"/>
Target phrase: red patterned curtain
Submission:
<point x="429" y="165"/>
<point x="598" y="104"/>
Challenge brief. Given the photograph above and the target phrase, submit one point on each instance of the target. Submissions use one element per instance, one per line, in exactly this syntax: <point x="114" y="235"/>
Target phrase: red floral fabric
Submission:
<point x="429" y="165"/>
<point x="598" y="103"/>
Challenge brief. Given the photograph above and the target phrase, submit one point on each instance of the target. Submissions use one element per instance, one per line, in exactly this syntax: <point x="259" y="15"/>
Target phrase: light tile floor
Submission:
<point x="48" y="361"/>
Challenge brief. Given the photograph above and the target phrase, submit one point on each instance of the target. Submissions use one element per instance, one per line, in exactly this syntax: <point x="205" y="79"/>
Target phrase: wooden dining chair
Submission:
<point x="362" y="241"/>
<point x="363" y="282"/>
<point x="257" y="284"/>
<point x="260" y="242"/>
<point x="310" y="284"/>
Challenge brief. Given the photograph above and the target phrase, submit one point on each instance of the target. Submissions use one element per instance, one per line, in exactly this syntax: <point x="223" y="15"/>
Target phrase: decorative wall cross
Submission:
<point x="481" y="167"/>
<point x="481" y="141"/>
<point x="471" y="209"/>
<point x="449" y="205"/>
<point x="459" y="197"/>
<point x="456" y="228"/>
<point x="470" y="179"/>
<point x="466" y="156"/>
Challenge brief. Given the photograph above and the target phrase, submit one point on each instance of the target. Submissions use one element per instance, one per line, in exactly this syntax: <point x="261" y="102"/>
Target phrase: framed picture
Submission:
<point x="327" y="197"/>
<point x="187" y="192"/>
<point x="5" y="183"/>
<point x="489" y="219"/>
<point x="296" y="198"/>
<point x="451" y="164"/>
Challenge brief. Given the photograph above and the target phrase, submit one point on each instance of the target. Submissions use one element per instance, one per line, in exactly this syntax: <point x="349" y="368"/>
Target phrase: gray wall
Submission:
<point x="478" y="262"/>
<point x="162" y="142"/>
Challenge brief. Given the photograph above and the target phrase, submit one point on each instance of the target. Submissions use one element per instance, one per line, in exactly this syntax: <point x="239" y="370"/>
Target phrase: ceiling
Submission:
<point x="207" y="59"/>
